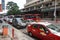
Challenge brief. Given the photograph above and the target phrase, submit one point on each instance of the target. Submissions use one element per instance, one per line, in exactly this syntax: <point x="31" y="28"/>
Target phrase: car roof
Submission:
<point x="42" y="23"/>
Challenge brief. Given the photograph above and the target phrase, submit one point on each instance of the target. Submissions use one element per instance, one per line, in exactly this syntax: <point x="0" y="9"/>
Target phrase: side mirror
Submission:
<point x="47" y="32"/>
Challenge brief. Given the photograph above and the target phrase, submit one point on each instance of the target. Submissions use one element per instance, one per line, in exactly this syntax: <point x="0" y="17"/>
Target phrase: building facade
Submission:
<point x="45" y="7"/>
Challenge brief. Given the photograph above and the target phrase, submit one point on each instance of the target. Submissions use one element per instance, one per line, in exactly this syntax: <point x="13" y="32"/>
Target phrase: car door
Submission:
<point x="14" y="21"/>
<point x="35" y="30"/>
<point x="43" y="33"/>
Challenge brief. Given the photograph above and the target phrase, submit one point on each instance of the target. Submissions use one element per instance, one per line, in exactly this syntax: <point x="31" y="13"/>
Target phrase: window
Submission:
<point x="53" y="27"/>
<point x="35" y="26"/>
<point x="23" y="20"/>
<point x="41" y="27"/>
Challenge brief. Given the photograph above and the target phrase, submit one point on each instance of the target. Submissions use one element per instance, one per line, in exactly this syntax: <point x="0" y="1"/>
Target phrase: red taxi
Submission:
<point x="44" y="31"/>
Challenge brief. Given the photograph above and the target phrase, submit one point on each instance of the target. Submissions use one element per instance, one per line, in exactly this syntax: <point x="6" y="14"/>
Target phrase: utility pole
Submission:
<point x="55" y="12"/>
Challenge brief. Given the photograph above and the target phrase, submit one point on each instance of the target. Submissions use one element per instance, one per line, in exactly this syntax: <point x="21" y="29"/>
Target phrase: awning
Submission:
<point x="49" y="9"/>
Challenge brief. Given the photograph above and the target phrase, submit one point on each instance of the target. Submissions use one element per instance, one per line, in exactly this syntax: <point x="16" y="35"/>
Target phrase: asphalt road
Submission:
<point x="25" y="32"/>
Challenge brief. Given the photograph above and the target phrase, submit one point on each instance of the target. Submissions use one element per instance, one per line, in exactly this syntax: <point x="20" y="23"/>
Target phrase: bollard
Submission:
<point x="12" y="33"/>
<point x="56" y="21"/>
<point x="5" y="31"/>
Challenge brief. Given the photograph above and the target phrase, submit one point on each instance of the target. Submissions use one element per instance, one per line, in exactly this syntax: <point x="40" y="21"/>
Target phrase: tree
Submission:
<point x="12" y="8"/>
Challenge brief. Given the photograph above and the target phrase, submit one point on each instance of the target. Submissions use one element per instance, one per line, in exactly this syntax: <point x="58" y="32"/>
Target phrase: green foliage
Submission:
<point x="13" y="8"/>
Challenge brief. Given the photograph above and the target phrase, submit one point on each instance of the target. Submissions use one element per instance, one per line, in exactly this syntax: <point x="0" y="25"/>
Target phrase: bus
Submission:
<point x="34" y="17"/>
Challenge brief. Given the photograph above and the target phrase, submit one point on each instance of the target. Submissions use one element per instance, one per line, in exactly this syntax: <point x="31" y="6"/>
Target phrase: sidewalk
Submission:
<point x="53" y="22"/>
<point x="4" y="38"/>
<point x="18" y="35"/>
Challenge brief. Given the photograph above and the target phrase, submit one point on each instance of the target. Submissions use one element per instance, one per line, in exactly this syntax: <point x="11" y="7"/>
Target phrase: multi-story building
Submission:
<point x="45" y="7"/>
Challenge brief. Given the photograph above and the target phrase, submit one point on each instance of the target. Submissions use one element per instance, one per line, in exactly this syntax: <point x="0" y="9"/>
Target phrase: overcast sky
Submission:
<point x="19" y="2"/>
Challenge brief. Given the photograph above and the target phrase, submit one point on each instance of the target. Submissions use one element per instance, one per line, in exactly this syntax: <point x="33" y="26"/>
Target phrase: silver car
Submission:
<point x="19" y="22"/>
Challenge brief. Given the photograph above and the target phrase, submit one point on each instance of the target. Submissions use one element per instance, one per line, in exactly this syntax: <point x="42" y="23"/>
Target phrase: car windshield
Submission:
<point x="53" y="27"/>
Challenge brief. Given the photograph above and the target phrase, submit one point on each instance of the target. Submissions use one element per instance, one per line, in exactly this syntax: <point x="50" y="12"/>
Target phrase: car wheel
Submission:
<point x="30" y="34"/>
<point x="18" y="27"/>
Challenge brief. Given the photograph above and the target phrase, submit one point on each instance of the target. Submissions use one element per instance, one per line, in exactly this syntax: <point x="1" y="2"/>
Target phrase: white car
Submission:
<point x="19" y="22"/>
<point x="10" y="20"/>
<point x="6" y="18"/>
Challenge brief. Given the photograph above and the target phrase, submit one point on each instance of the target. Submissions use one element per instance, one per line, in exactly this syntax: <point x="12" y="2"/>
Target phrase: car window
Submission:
<point x="41" y="27"/>
<point x="23" y="20"/>
<point x="35" y="25"/>
<point x="53" y="27"/>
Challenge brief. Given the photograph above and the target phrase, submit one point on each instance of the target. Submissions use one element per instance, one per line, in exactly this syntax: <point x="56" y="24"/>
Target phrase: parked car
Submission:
<point x="10" y="19"/>
<point x="44" y="31"/>
<point x="6" y="18"/>
<point x="19" y="22"/>
<point x="1" y="23"/>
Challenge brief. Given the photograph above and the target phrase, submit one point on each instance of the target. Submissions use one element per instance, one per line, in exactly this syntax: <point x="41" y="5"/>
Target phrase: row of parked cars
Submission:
<point x="18" y="21"/>
<point x="41" y="30"/>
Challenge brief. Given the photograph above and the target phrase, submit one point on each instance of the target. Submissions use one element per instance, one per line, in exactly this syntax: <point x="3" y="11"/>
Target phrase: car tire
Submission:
<point x="30" y="34"/>
<point x="18" y="27"/>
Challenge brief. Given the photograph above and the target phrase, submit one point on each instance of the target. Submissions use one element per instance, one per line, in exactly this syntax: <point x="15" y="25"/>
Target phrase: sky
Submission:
<point x="20" y="3"/>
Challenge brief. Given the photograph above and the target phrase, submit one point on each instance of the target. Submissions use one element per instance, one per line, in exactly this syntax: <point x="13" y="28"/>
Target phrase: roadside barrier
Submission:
<point x="5" y="30"/>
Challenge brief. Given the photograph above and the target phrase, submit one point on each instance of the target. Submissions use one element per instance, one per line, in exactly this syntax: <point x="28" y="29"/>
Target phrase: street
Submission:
<point x="19" y="34"/>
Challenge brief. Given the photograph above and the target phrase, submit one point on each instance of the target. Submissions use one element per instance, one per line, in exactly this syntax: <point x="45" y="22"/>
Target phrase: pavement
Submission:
<point x="57" y="23"/>
<point x="18" y="35"/>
